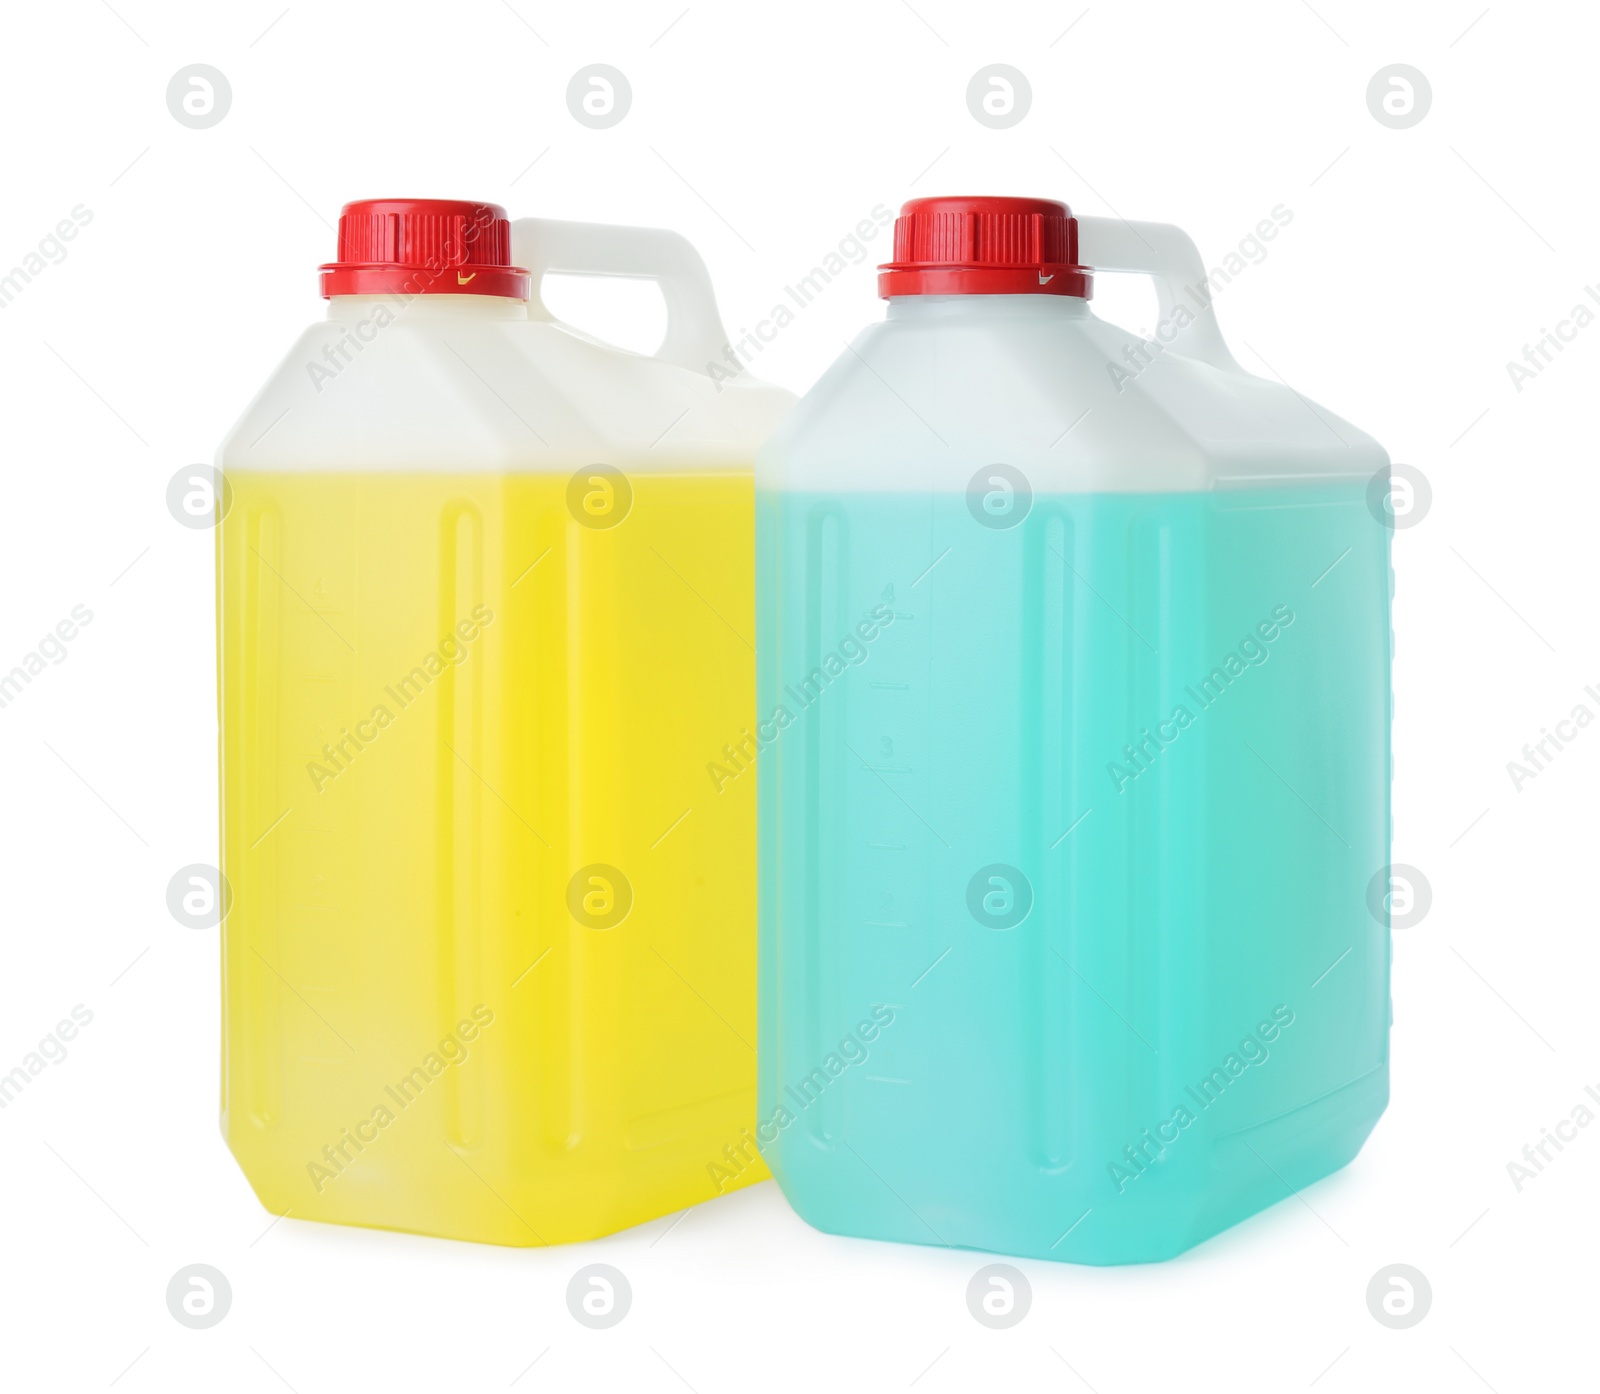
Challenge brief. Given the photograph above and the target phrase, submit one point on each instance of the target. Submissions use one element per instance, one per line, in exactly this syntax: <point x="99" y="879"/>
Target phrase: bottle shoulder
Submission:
<point x="1078" y="404"/>
<point x="489" y="394"/>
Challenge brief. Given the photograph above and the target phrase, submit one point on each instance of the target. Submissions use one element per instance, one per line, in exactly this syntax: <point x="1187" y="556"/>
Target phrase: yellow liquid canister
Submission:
<point x="486" y="674"/>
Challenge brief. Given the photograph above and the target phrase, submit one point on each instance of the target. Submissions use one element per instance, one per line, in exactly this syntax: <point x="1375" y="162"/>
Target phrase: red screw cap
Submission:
<point x="985" y="246"/>
<point x="421" y="246"/>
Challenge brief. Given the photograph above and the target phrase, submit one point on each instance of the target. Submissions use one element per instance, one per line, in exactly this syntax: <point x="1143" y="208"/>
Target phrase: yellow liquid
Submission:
<point x="442" y="696"/>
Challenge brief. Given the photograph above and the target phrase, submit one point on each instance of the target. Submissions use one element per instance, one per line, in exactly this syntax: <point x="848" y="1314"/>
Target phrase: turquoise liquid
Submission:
<point x="1066" y="942"/>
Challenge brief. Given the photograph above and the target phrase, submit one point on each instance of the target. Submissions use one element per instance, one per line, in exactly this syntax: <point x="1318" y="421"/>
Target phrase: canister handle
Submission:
<point x="695" y="337"/>
<point x="1168" y="255"/>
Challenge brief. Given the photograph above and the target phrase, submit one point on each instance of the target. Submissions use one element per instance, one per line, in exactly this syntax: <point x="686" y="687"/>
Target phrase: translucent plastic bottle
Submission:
<point x="1073" y="683"/>
<point x="484" y="587"/>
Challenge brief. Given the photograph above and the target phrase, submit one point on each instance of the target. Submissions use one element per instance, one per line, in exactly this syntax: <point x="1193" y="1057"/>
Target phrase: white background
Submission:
<point x="1417" y="264"/>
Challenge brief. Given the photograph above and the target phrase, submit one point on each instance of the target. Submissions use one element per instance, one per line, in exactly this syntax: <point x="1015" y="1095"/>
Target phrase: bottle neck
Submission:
<point x="957" y="307"/>
<point x="418" y="308"/>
